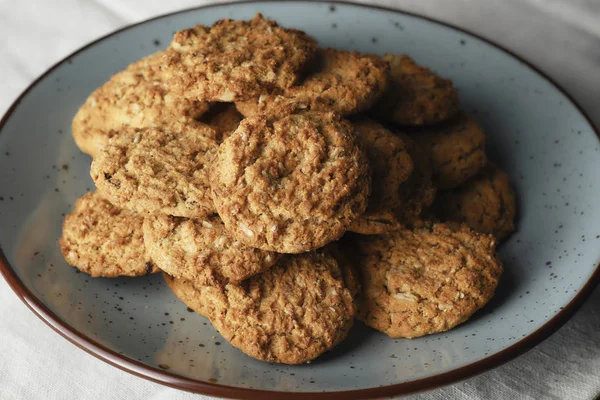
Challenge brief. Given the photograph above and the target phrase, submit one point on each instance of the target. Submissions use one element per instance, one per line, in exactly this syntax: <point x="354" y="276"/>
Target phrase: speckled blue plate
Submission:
<point x="536" y="133"/>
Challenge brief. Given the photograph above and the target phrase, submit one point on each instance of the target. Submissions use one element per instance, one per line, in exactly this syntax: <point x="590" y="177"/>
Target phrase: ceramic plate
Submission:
<point x="536" y="133"/>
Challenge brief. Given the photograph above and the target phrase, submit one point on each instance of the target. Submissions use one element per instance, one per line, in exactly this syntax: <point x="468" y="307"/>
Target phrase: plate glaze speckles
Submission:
<point x="535" y="132"/>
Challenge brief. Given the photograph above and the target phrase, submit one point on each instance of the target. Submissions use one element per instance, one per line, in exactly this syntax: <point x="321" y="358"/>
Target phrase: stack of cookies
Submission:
<point x="285" y="189"/>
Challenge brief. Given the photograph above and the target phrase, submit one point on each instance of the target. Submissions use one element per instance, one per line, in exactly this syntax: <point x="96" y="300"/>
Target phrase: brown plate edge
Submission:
<point x="169" y="379"/>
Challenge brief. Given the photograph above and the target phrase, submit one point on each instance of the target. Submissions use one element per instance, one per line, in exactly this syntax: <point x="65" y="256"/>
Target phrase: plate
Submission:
<point x="536" y="132"/>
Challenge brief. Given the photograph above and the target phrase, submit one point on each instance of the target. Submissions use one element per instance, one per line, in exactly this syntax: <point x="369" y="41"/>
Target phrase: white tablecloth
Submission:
<point x="560" y="36"/>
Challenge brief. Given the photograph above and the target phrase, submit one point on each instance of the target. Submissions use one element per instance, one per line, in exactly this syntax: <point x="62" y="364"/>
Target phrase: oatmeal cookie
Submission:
<point x="486" y="203"/>
<point x="236" y="60"/>
<point x="456" y="149"/>
<point x="415" y="95"/>
<point x="391" y="166"/>
<point x="289" y="314"/>
<point x="136" y="97"/>
<point x="341" y="81"/>
<point x="103" y="240"/>
<point x="291" y="183"/>
<point x="424" y="281"/>
<point x="201" y="251"/>
<point x="151" y="170"/>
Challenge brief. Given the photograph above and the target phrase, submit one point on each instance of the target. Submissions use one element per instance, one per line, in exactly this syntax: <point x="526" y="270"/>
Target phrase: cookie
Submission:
<point x="456" y="149"/>
<point x="201" y="251"/>
<point x="391" y="166"/>
<point x="289" y="314"/>
<point x="236" y="60"/>
<point x="486" y="203"/>
<point x="103" y="240"/>
<point x="224" y="119"/>
<point x="187" y="292"/>
<point x="291" y="183"/>
<point x="340" y="252"/>
<point x="415" y="95"/>
<point x="136" y="97"/>
<point x="417" y="193"/>
<point x="424" y="281"/>
<point x="341" y="81"/>
<point x="151" y="170"/>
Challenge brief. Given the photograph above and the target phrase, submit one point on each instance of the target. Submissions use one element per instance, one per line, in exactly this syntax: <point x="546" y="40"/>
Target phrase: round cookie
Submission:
<point x="136" y="97"/>
<point x="456" y="149"/>
<point x="290" y="314"/>
<point x="391" y="166"/>
<point x="151" y="170"/>
<point x="236" y="60"/>
<point x="486" y="203"/>
<point x="424" y="281"/>
<point x="417" y="192"/>
<point x="341" y="81"/>
<point x="201" y="251"/>
<point x="103" y="240"/>
<point x="224" y="119"/>
<point x="292" y="183"/>
<point x="415" y="95"/>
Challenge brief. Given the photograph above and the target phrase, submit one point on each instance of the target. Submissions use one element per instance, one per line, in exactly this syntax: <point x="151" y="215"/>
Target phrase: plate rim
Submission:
<point x="203" y="387"/>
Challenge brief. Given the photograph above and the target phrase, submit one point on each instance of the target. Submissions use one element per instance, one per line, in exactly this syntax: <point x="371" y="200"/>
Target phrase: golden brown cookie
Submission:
<point x="417" y="192"/>
<point x="223" y="118"/>
<point x="415" y="95"/>
<point x="103" y="240"/>
<point x="151" y="170"/>
<point x="456" y="149"/>
<point x="391" y="166"/>
<point x="290" y="314"/>
<point x="201" y="251"/>
<point x="291" y="183"/>
<point x="236" y="60"/>
<point x="341" y="81"/>
<point x="486" y="203"/>
<point x="136" y="97"/>
<point x="424" y="281"/>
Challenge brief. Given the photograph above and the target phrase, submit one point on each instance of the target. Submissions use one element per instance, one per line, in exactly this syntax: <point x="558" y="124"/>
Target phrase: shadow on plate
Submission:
<point x="358" y="336"/>
<point x="508" y="286"/>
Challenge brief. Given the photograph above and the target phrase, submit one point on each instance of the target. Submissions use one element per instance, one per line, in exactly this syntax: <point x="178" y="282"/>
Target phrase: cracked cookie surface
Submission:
<point x="290" y="314"/>
<point x="486" y="203"/>
<point x="151" y="170"/>
<point x="139" y="98"/>
<point x="341" y="81"/>
<point x="201" y="251"/>
<point x="292" y="183"/>
<point x="236" y="60"/>
<point x="391" y="166"/>
<point x="424" y="281"/>
<point x="456" y="149"/>
<point x="415" y="95"/>
<point x="103" y="240"/>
